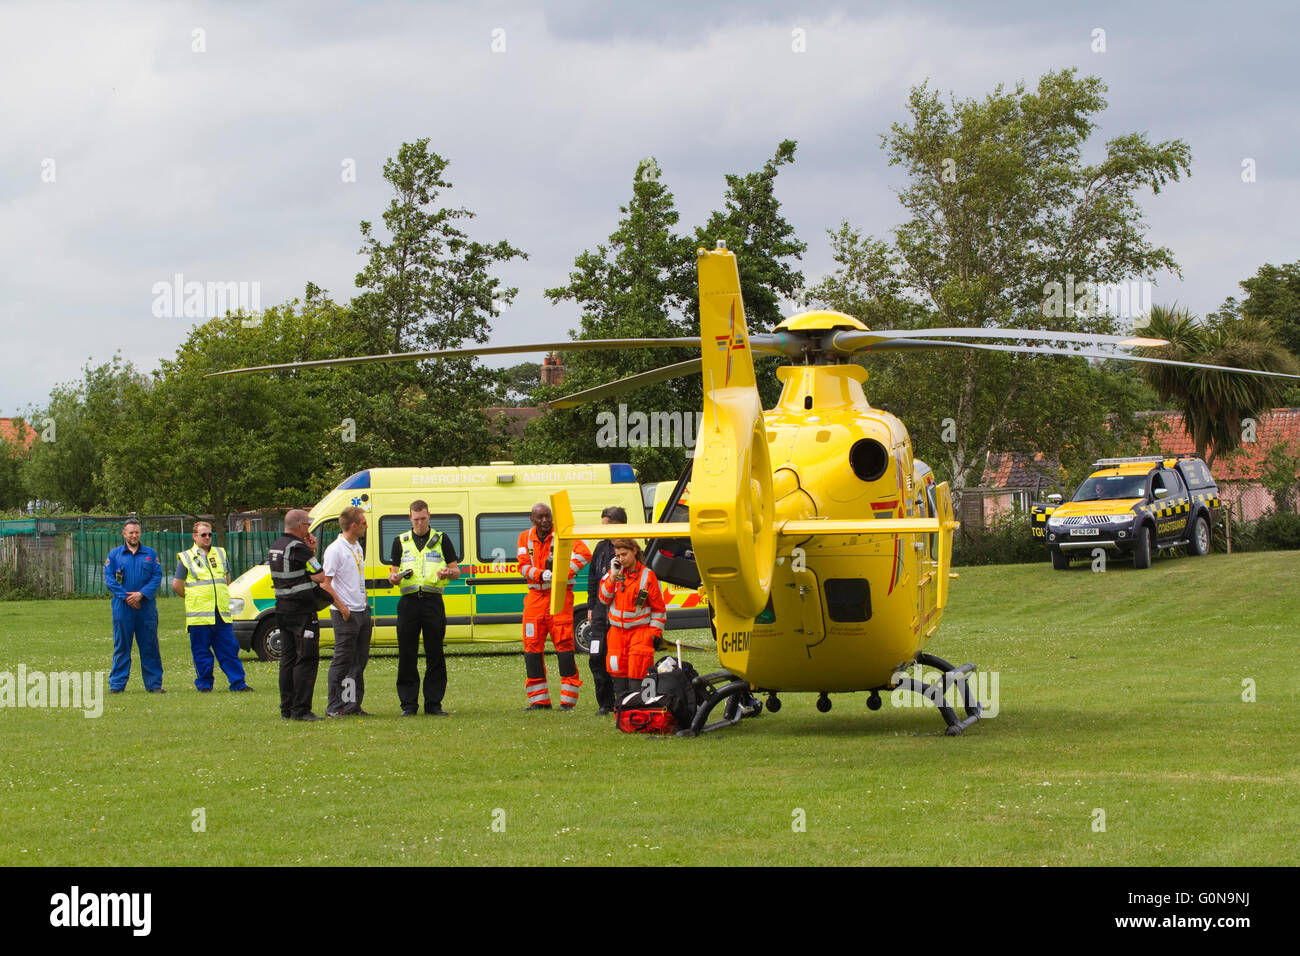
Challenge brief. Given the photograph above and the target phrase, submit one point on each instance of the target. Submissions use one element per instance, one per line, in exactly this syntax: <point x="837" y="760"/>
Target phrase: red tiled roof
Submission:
<point x="513" y="420"/>
<point x="1020" y="470"/>
<point x="1281" y="426"/>
<point x="15" y="431"/>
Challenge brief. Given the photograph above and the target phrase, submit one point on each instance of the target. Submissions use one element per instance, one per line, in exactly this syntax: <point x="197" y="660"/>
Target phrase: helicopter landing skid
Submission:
<point x="721" y="687"/>
<point x="937" y="692"/>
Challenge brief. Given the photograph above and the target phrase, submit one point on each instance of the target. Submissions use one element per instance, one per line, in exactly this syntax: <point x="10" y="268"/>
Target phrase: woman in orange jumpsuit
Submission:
<point x="637" y="616"/>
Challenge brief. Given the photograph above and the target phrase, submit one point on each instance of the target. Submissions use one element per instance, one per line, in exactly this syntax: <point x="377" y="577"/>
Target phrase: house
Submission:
<point x="1239" y="475"/>
<point x="15" y="432"/>
<point x="1012" y="480"/>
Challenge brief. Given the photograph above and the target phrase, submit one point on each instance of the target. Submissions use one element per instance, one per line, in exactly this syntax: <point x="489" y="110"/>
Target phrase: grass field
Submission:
<point x="1119" y="692"/>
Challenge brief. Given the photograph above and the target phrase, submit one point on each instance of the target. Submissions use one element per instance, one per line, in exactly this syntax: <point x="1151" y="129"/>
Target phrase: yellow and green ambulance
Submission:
<point x="482" y="510"/>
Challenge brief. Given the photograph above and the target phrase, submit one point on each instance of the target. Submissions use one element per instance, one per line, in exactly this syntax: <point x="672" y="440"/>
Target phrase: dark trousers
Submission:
<point x="599" y="674"/>
<point x="351" y="654"/>
<point x="418" y="615"/>
<point x="298" y="662"/>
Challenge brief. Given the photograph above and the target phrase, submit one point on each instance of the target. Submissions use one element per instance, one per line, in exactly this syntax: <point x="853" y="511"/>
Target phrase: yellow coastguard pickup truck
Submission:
<point x="481" y="509"/>
<point x="1132" y="506"/>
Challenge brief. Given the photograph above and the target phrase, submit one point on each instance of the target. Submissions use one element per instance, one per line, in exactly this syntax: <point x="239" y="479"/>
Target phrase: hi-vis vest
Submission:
<point x="426" y="564"/>
<point x="626" y="607"/>
<point x="205" y="585"/>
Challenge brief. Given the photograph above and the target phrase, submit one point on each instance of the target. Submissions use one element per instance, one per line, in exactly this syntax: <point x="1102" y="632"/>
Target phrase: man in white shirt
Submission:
<point x="344" y="569"/>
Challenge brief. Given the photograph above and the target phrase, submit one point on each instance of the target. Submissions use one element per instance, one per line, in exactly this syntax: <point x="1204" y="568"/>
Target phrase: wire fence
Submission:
<point x="65" y="557"/>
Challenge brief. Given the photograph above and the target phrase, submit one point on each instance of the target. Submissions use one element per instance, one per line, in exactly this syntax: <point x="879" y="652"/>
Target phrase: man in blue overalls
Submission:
<point x="132" y="573"/>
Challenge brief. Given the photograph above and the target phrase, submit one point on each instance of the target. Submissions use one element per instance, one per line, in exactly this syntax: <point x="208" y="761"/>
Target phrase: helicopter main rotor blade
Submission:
<point x="905" y="344"/>
<point x="572" y="345"/>
<point x="851" y="342"/>
<point x="653" y="377"/>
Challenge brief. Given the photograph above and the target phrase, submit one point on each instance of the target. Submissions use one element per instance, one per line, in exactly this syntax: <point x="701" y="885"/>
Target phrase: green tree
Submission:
<point x="212" y="446"/>
<point x="637" y="285"/>
<point x="1281" y="476"/>
<point x="1272" y="295"/>
<point x="521" y="381"/>
<point x="13" y="453"/>
<point x="1215" y="404"/>
<point x="751" y="224"/>
<point x="76" y="431"/>
<point x="1006" y="225"/>
<point x="428" y="287"/>
<point x="642" y="284"/>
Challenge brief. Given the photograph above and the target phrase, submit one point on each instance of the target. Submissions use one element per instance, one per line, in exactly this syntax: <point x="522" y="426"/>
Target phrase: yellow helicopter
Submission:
<point x="823" y="545"/>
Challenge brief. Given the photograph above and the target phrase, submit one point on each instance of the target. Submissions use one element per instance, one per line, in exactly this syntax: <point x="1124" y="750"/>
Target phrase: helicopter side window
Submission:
<point x="848" y="599"/>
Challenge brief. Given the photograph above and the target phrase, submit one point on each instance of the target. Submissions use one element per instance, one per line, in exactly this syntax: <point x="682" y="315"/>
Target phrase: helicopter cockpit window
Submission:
<point x="848" y="599"/>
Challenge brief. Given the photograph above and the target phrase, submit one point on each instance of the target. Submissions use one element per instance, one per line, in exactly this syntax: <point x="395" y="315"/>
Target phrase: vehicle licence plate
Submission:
<point x="1083" y="532"/>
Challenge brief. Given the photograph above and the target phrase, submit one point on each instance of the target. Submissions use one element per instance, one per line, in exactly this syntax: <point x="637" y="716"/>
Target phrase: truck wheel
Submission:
<point x="268" y="644"/>
<point x="581" y="631"/>
<point x="1142" y="548"/>
<point x="1199" y="544"/>
<point x="1060" y="560"/>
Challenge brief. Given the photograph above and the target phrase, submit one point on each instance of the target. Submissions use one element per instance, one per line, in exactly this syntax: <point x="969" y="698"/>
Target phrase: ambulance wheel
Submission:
<point x="1199" y="544"/>
<point x="1060" y="560"/>
<point x="268" y="645"/>
<point x="581" y="632"/>
<point x="1142" y="548"/>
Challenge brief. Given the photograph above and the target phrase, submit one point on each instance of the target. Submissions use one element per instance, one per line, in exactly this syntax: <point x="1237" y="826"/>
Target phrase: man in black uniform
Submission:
<point x="300" y="591"/>
<point x="423" y="562"/>
<point x="597" y="614"/>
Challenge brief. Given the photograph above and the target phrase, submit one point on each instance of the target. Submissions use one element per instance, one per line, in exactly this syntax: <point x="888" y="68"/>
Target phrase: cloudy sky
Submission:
<point x="211" y="140"/>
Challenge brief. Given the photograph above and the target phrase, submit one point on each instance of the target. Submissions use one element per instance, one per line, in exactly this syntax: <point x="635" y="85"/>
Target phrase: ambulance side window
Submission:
<point x="325" y="533"/>
<point x="390" y="526"/>
<point x="498" y="536"/>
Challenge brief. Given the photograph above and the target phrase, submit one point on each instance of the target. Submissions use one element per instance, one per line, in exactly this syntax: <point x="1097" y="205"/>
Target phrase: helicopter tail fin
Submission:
<point x="732" y="529"/>
<point x="724" y="334"/>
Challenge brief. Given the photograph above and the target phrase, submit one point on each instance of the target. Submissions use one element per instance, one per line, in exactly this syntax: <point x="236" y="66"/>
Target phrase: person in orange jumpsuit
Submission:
<point x="535" y="547"/>
<point x="637" y="616"/>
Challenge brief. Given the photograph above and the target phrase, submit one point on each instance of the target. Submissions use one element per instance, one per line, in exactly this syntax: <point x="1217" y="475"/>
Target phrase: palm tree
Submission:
<point x="1214" y="403"/>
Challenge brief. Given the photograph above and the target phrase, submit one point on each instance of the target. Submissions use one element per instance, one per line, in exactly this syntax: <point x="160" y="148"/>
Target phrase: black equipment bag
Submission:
<point x="672" y="686"/>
